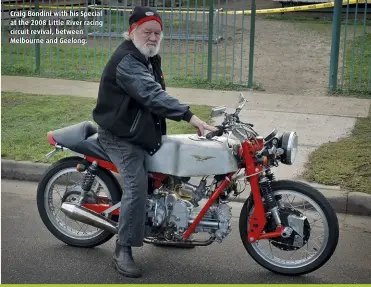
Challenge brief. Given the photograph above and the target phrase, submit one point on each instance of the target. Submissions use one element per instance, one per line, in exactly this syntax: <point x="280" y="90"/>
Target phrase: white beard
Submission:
<point x="147" y="51"/>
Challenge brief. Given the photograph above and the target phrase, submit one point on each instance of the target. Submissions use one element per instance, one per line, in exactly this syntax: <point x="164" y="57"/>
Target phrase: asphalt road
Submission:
<point x="30" y="254"/>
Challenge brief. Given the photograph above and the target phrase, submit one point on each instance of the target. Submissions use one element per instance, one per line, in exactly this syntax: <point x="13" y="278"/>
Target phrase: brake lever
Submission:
<point x="251" y="125"/>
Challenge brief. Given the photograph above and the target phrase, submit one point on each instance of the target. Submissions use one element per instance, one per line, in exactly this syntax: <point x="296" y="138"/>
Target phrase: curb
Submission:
<point x="354" y="203"/>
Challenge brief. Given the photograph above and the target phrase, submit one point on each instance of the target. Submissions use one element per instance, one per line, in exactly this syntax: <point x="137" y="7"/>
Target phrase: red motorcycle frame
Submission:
<point x="257" y="220"/>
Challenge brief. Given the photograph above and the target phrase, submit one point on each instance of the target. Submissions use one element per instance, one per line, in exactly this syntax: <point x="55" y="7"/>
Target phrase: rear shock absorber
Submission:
<point x="266" y="190"/>
<point x="88" y="180"/>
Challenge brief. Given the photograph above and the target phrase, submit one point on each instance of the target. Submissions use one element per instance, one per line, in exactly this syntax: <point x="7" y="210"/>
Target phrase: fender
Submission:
<point x="86" y="162"/>
<point x="108" y="173"/>
<point x="114" y="179"/>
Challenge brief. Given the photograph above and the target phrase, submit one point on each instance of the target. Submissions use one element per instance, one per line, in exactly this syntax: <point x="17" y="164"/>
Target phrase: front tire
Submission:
<point x="46" y="213"/>
<point x="325" y="207"/>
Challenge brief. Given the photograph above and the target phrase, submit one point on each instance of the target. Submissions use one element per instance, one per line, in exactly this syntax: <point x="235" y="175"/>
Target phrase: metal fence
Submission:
<point x="178" y="24"/>
<point x="203" y="39"/>
<point x="350" y="66"/>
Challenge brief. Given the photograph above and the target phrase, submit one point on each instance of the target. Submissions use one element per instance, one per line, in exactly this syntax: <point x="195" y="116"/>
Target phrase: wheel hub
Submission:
<point x="74" y="194"/>
<point x="290" y="239"/>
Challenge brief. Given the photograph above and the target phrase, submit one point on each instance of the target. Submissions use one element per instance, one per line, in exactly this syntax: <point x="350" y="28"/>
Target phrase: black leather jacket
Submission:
<point x="132" y="102"/>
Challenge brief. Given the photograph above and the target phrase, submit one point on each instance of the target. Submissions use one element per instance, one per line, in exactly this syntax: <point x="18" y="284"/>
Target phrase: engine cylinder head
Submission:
<point x="187" y="189"/>
<point x="199" y="192"/>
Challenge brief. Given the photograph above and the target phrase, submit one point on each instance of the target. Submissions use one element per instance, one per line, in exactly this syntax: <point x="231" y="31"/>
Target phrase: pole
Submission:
<point x="37" y="44"/>
<point x="252" y="44"/>
<point x="335" y="44"/>
<point x="210" y="42"/>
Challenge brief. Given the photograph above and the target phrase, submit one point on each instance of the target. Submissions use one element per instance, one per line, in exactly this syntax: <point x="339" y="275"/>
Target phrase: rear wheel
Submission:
<point x="316" y="248"/>
<point x="64" y="173"/>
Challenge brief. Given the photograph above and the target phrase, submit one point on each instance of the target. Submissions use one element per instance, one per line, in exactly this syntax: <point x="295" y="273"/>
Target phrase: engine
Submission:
<point x="170" y="214"/>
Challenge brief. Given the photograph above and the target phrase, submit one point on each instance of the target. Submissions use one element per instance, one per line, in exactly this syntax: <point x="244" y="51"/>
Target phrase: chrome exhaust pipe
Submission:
<point x="89" y="217"/>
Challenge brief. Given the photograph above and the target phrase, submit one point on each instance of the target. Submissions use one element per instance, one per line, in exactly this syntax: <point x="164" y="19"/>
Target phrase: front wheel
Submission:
<point x="281" y="255"/>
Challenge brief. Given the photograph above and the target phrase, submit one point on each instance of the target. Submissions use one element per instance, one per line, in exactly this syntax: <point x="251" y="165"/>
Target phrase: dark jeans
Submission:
<point x="129" y="160"/>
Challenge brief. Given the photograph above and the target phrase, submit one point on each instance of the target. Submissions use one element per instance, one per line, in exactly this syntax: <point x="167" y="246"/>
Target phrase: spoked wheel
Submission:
<point x="300" y="252"/>
<point x="62" y="183"/>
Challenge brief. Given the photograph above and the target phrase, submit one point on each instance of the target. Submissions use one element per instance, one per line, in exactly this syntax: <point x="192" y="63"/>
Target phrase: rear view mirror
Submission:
<point x="241" y="98"/>
<point x="241" y="103"/>
<point x="217" y="111"/>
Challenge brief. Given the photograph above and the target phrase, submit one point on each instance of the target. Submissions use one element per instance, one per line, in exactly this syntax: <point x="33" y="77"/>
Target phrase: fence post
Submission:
<point x="335" y="44"/>
<point x="210" y="42"/>
<point x="37" y="45"/>
<point x="252" y="44"/>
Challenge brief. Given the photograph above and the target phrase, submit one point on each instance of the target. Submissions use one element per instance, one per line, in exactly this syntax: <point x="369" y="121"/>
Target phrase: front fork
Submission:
<point x="272" y="203"/>
<point x="269" y="175"/>
<point x="261" y="190"/>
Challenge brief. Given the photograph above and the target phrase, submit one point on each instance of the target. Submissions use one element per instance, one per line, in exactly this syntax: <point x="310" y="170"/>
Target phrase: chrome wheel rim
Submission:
<point x="79" y="232"/>
<point x="271" y="257"/>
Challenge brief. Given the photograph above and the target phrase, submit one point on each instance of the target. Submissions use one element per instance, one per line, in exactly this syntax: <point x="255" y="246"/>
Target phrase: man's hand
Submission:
<point x="201" y="126"/>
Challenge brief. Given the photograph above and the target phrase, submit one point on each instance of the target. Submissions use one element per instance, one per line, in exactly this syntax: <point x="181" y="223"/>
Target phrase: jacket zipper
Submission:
<point x="136" y="120"/>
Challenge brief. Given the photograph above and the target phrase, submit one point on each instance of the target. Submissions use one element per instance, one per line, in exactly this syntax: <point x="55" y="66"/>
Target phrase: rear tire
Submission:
<point x="68" y="163"/>
<point x="325" y="206"/>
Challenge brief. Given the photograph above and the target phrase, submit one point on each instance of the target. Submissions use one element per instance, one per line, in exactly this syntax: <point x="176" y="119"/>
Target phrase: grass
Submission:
<point x="200" y="83"/>
<point x="26" y="118"/>
<point x="346" y="163"/>
<point x="181" y="69"/>
<point x="197" y="3"/>
<point x="357" y="70"/>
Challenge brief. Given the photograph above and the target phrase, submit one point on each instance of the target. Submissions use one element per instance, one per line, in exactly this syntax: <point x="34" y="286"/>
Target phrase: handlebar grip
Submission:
<point x="217" y="133"/>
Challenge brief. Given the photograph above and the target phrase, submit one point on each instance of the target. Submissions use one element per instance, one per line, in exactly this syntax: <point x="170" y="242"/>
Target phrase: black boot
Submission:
<point x="124" y="262"/>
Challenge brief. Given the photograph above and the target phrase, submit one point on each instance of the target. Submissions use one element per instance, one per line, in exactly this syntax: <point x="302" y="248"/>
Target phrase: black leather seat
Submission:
<point x="81" y="138"/>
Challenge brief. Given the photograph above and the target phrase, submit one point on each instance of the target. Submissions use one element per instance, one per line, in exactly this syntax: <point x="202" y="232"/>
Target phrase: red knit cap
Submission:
<point x="141" y="15"/>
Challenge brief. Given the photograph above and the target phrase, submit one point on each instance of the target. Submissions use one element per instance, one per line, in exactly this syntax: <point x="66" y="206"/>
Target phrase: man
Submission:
<point x="131" y="109"/>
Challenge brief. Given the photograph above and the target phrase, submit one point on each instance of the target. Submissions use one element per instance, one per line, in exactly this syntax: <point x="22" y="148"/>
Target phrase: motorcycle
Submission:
<point x="178" y="210"/>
